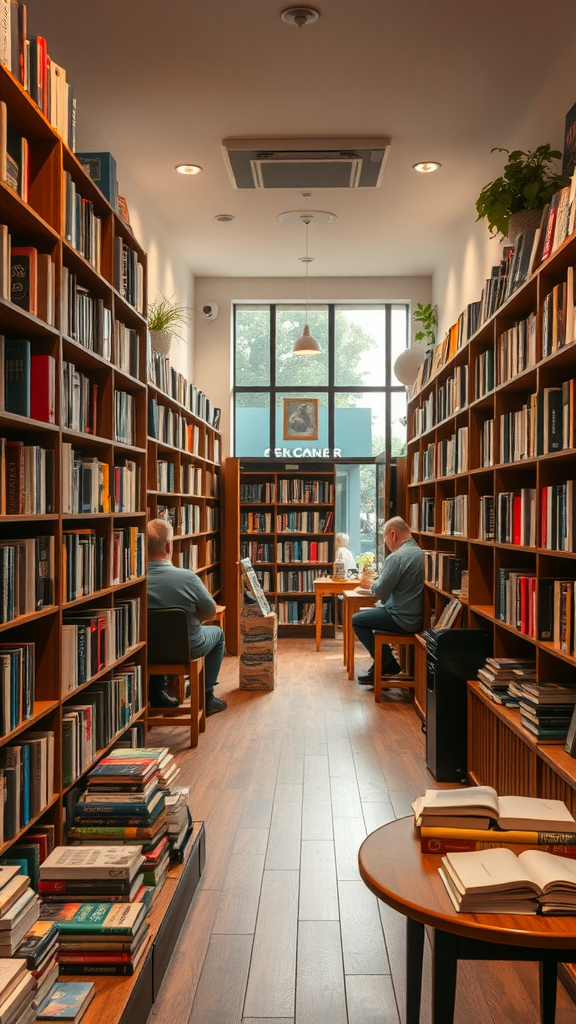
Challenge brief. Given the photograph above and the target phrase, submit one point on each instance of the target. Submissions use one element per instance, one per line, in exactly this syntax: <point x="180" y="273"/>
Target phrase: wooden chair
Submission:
<point x="402" y="640"/>
<point x="219" y="617"/>
<point x="169" y="654"/>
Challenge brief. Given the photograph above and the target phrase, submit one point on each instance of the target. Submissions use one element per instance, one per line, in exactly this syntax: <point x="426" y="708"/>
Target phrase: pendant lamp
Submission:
<point x="307" y="344"/>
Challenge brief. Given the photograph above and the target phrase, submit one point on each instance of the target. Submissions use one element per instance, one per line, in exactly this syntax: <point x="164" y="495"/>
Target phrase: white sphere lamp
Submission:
<point x="408" y="363"/>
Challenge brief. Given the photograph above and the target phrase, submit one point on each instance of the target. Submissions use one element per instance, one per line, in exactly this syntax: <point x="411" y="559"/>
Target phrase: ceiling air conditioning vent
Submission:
<point x="306" y="163"/>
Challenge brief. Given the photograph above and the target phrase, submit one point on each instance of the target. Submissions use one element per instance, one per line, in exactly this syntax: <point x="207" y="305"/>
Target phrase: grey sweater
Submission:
<point x="171" y="587"/>
<point x="400" y="585"/>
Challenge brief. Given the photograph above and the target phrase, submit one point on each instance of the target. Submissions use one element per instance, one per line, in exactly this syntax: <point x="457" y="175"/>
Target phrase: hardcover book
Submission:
<point x="68" y="1000"/>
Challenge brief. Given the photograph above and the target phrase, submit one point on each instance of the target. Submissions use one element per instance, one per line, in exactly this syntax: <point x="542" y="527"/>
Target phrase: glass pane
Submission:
<point x="252" y="431"/>
<point x="360" y="349"/>
<point x="359" y="423"/>
<point x="252" y="345"/>
<point x="301" y="371"/>
<point x="301" y="425"/>
<point x="400" y="336"/>
<point x="356" y="506"/>
<point x="398" y="423"/>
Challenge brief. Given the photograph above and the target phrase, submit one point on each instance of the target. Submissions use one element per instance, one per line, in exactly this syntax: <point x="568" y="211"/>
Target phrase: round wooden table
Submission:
<point x="395" y="870"/>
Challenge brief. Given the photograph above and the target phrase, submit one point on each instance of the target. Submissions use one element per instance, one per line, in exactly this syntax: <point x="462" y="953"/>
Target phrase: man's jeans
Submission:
<point x="364" y="624"/>
<point x="213" y="651"/>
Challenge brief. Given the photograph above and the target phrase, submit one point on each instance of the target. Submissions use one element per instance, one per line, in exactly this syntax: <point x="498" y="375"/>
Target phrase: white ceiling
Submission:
<point x="166" y="80"/>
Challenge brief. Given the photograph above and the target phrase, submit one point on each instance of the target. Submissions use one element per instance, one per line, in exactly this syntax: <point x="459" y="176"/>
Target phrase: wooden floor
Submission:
<point x="282" y="929"/>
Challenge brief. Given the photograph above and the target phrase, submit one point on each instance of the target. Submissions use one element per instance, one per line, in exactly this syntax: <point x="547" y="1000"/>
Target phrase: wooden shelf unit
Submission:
<point x="240" y="471"/>
<point x="41" y="223"/>
<point x="482" y="558"/>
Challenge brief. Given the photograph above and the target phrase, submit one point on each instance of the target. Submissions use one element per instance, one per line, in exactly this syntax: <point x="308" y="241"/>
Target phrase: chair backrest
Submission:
<point x="168" y="636"/>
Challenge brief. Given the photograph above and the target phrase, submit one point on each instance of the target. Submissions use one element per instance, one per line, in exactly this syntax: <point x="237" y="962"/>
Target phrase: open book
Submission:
<point x="480" y="806"/>
<point x="499" y="882"/>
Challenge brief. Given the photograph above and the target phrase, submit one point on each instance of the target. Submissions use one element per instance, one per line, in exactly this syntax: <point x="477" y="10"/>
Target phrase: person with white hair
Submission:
<point x="400" y="590"/>
<point x="171" y="587"/>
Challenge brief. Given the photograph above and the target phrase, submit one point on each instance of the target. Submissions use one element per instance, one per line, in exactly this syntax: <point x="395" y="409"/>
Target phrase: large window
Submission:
<point x="361" y="406"/>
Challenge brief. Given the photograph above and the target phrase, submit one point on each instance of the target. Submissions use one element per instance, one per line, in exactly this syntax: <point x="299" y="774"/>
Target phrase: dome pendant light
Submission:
<point x="307" y="344"/>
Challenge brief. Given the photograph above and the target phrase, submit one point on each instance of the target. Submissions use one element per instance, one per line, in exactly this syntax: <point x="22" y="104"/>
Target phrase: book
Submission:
<point x="25" y="278"/>
<point x="498" y="881"/>
<point x="102" y="169"/>
<point x="67" y="1000"/>
<point x="478" y="806"/>
<point x="116" y="862"/>
<point x="95" y="918"/>
<point x="43" y="388"/>
<point x="17" y="365"/>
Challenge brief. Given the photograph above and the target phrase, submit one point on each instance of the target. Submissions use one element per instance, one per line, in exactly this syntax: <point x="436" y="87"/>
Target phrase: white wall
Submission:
<point x="462" y="271"/>
<point x="168" y="273"/>
<point x="212" y="362"/>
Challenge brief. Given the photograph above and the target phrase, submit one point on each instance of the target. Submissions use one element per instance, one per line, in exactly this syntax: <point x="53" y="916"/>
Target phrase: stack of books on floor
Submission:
<point x="499" y="882"/>
<point x="107" y="936"/>
<point x="19" y="908"/>
<point x="546" y="709"/>
<point x="179" y="822"/>
<point x="38" y="948"/>
<point x="16" y="993"/>
<point x="498" y="675"/>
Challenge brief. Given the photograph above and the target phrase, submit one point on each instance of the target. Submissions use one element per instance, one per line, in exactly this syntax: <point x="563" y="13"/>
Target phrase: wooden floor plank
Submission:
<point x="220" y="992"/>
<point x="284" y="838"/>
<point x="320" y="995"/>
<point x="349" y="834"/>
<point x="377" y="813"/>
<point x="318" y="889"/>
<point x="270" y="991"/>
<point x="371" y="1000"/>
<point x="345" y="798"/>
<point x="362" y="937"/>
<point x="239" y="901"/>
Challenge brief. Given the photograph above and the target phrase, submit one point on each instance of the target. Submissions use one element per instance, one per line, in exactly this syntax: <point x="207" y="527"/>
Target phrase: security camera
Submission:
<point x="210" y="310"/>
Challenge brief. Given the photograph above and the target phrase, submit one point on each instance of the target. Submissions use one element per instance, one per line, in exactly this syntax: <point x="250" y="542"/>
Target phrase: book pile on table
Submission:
<point x="546" y="709"/>
<point x="179" y="822"/>
<point x="38" y="948"/>
<point x="499" y="882"/>
<point x="109" y="874"/>
<point x="498" y="677"/>
<point x="17" y="988"/>
<point x="19" y="908"/>
<point x="474" y="819"/>
<point x="99" y="938"/>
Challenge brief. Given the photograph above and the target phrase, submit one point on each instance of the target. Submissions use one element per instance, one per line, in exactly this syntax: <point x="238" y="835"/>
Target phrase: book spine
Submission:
<point x="443" y="846"/>
<point x="528" y="837"/>
<point x="87" y="968"/>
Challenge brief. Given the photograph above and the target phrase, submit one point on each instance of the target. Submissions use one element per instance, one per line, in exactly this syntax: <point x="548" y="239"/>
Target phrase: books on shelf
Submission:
<point x="85" y="482"/>
<point x="546" y="709"/>
<point x="301" y="613"/>
<point x="256" y="522"/>
<point x="27" y="772"/>
<point x="479" y="807"/>
<point x="557" y="531"/>
<point x="257" y="493"/>
<point x="515" y="520"/>
<point x="93" y="638"/>
<point x="298" y="581"/>
<point x="498" y="675"/>
<point x="449" y="615"/>
<point x="191" y="480"/>
<point x="126" y="486"/>
<point x="124" y="417"/>
<point x="17" y="684"/>
<point x="29" y="381"/>
<point x="78" y="400"/>
<point x="443" y="570"/>
<point x="84" y="563"/>
<point x="33" y="285"/>
<point x="557" y="612"/>
<point x="301" y="491"/>
<point x="517" y="349"/>
<point x="20" y="910"/>
<point x="487" y="444"/>
<point x="455" y="516"/>
<point x="167" y="379"/>
<point x="452" y="395"/>
<point x="128" y="274"/>
<point x="212" y="518"/>
<point x="83" y="229"/>
<point x="128" y="554"/>
<point x="515" y="599"/>
<point x="301" y="551"/>
<point x="26" y="576"/>
<point x="425" y="415"/>
<point x="257" y="552"/>
<point x="451" y="455"/>
<point x="84" y="317"/>
<point x="301" y="522"/>
<point x="27" y="479"/>
<point x="125" y="349"/>
<point x="427" y="507"/>
<point x="484" y="373"/>
<point x="487" y="518"/>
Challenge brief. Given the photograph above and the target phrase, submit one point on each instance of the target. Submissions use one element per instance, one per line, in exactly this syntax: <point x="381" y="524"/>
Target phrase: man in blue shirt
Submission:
<point x="400" y="589"/>
<point x="171" y="587"/>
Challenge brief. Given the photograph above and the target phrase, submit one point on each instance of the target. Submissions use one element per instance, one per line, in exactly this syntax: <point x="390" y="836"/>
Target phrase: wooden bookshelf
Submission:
<point x="484" y="558"/>
<point x="245" y="471"/>
<point x="41" y="223"/>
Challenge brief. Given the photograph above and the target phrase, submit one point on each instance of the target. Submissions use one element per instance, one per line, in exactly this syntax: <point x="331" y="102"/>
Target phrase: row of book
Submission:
<point x="452" y="395"/>
<point x="85" y="567"/>
<point x="302" y="551"/>
<point x="487" y="444"/>
<point x="171" y="427"/>
<point x="301" y="491"/>
<point x="257" y="551"/>
<point x="26" y="576"/>
<point x="78" y="400"/>
<point x="305" y="522"/>
<point x="425" y="416"/>
<point x="256" y="522"/>
<point x="185" y="519"/>
<point x="17" y="684"/>
<point x="212" y="518"/>
<point x="93" y="718"/>
<point x="86" y="484"/>
<point x="30" y="276"/>
<point x="165" y="477"/>
<point x="27" y="381"/>
<point x="509" y="518"/>
<point x="124" y="417"/>
<point x="301" y="582"/>
<point x="467" y="324"/>
<point x="455" y="516"/>
<point x="128" y="274"/>
<point x="557" y="519"/>
<point x="83" y="229"/>
<point x="301" y="613"/>
<point x="212" y="551"/>
<point x="174" y="384"/>
<point x="422" y="515"/>
<point x="557" y="614"/>
<point x="27" y="484"/>
<point x="484" y="373"/>
<point x="26" y="780"/>
<point x="498" y="674"/>
<point x="516" y="350"/>
<point x="558" y="316"/>
<point x="443" y="570"/>
<point x="265" y="579"/>
<point x="261" y="493"/>
<point x="85" y="317"/>
<point x="191" y="481"/>
<point x="93" y="638"/>
<point x="515" y="599"/>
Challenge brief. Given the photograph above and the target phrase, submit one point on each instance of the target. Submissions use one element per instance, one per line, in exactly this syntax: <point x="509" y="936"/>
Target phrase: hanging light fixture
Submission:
<point x="307" y="344"/>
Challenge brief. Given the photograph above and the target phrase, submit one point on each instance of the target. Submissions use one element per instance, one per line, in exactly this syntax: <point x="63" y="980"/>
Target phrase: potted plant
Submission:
<point x="366" y="562"/>
<point x="514" y="202"/>
<point x="408" y="362"/>
<point x="164" y="319"/>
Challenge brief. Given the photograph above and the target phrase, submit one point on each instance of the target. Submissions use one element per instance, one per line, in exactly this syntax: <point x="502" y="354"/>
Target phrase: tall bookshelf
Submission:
<point x="484" y="559"/>
<point x="40" y="223"/>
<point x="191" y="490"/>
<point x="238" y="534"/>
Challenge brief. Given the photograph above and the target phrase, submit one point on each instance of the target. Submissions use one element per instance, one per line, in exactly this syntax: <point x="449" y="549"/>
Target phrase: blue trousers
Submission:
<point x="212" y="649"/>
<point x="364" y="623"/>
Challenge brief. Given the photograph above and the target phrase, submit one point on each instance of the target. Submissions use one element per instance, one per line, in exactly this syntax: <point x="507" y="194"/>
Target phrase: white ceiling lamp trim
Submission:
<point x="316" y="217"/>
<point x="300" y="16"/>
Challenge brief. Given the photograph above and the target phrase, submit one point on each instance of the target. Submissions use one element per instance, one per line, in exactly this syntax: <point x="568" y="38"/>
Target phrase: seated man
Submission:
<point x="171" y="587"/>
<point x="400" y="588"/>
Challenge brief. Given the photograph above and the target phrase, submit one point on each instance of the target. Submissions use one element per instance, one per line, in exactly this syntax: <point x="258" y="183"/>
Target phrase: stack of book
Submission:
<point x="498" y="675"/>
<point x="179" y="822"/>
<point x="99" y="938"/>
<point x="16" y="993"/>
<point x="19" y="908"/>
<point x="545" y="709"/>
<point x="499" y="882"/>
<point x="38" y="949"/>
<point x="110" y="874"/>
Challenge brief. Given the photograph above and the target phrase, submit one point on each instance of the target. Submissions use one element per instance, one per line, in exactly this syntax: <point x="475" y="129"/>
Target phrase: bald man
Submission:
<point x="171" y="587"/>
<point x="400" y="589"/>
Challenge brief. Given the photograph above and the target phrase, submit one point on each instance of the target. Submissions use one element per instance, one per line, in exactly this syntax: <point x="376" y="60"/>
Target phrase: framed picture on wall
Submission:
<point x="300" y="419"/>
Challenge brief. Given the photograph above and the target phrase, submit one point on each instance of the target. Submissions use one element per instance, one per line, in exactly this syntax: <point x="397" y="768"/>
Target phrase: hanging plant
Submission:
<point x="426" y="317"/>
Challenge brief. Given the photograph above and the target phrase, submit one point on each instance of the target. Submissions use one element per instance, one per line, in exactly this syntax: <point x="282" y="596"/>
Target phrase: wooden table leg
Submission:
<point x="444" y="973"/>
<point x="351" y="638"/>
<point x="344" y="631"/>
<point x="548" y="986"/>
<point x="318" y="617"/>
<point x="414" y="955"/>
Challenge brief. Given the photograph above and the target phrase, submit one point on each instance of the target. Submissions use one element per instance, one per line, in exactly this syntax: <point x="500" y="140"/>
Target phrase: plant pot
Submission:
<point x="161" y="341"/>
<point x="522" y="221"/>
<point x="367" y="578"/>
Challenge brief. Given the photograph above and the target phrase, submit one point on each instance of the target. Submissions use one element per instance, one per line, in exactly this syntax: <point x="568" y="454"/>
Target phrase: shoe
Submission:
<point x="163" y="700"/>
<point x="367" y="678"/>
<point x="392" y="669"/>
<point x="214" y="705"/>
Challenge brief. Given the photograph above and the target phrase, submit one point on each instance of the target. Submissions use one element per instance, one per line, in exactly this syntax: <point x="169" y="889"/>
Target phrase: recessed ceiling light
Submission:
<point x="224" y="218"/>
<point x="300" y="16"/>
<point x="427" y="166"/>
<point x="188" y="168"/>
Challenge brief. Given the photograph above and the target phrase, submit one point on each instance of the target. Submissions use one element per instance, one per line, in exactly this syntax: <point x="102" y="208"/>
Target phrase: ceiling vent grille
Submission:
<point x="306" y="163"/>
